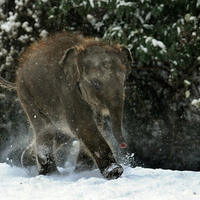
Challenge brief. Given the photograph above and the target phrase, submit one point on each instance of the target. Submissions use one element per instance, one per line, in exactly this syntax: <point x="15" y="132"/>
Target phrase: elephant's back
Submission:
<point x="50" y="50"/>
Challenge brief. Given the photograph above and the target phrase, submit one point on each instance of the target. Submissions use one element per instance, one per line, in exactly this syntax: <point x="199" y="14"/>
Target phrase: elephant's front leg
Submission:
<point x="100" y="151"/>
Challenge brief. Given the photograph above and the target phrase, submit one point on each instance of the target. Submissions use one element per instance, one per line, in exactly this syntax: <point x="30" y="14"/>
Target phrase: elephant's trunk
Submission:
<point x="116" y="120"/>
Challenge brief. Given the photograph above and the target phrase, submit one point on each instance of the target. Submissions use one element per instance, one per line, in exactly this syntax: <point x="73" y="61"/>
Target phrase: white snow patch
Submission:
<point x="3" y="52"/>
<point x="194" y="33"/>
<point x="187" y="94"/>
<point x="94" y="22"/>
<point x="156" y="43"/>
<point x="2" y="2"/>
<point x="26" y="27"/>
<point x="135" y="183"/>
<point x="10" y="24"/>
<point x="148" y="16"/>
<point x="23" y="38"/>
<point x="186" y="82"/>
<point x="91" y="3"/>
<point x="116" y="28"/>
<point x="193" y="18"/>
<point x="187" y="17"/>
<point x="106" y="16"/>
<point x="44" y="33"/>
<point x="123" y="3"/>
<point x="196" y="103"/>
<point x="90" y="17"/>
<point x="144" y="49"/>
<point x="178" y="30"/>
<point x="198" y="3"/>
<point x="148" y="26"/>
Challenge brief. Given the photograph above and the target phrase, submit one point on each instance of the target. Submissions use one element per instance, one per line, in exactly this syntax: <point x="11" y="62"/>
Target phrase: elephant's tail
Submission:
<point x="6" y="84"/>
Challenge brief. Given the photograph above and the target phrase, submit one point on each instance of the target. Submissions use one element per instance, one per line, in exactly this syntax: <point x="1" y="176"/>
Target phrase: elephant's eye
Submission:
<point x="96" y="84"/>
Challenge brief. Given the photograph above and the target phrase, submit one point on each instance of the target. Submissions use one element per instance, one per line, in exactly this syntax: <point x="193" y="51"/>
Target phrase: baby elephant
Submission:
<point x="66" y="85"/>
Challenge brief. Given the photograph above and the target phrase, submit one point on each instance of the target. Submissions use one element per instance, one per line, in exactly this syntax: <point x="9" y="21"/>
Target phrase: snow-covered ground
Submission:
<point x="135" y="183"/>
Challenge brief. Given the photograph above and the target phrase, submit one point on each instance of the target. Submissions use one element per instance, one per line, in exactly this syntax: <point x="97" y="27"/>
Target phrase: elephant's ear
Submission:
<point x="126" y="59"/>
<point x="70" y="67"/>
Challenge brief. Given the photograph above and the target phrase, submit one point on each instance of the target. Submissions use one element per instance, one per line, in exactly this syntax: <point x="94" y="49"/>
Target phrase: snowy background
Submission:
<point x="162" y="109"/>
<point x="135" y="183"/>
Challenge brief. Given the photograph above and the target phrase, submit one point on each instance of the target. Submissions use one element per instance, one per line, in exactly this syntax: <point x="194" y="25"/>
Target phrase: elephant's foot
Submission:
<point x="46" y="161"/>
<point x="28" y="161"/>
<point x="45" y="165"/>
<point x="48" y="168"/>
<point x="113" y="172"/>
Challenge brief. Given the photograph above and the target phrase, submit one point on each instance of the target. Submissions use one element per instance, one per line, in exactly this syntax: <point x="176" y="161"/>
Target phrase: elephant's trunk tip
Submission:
<point x="123" y="145"/>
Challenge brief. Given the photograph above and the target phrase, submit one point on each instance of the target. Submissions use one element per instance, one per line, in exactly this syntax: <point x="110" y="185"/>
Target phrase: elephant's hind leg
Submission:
<point x="28" y="160"/>
<point x="42" y="152"/>
<point x="84" y="161"/>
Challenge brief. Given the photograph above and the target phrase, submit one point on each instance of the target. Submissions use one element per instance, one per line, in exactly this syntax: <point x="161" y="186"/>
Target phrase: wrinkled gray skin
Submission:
<point x="66" y="91"/>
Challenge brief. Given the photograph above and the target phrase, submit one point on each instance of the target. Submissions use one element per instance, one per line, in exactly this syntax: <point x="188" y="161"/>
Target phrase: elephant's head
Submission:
<point x="100" y="71"/>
